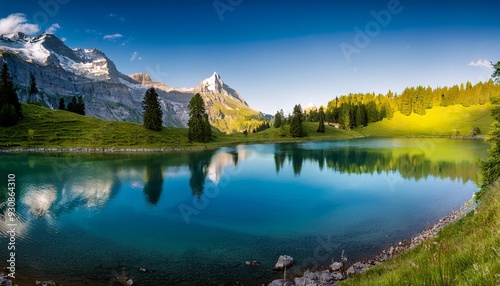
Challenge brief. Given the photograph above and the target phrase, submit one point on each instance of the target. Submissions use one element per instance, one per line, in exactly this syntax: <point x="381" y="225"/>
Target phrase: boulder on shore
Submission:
<point x="283" y="261"/>
<point x="281" y="282"/>
<point x="336" y="266"/>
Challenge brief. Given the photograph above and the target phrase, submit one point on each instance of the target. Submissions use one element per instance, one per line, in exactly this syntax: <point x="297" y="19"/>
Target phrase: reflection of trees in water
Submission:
<point x="365" y="161"/>
<point x="154" y="183"/>
<point x="279" y="160"/>
<point x="297" y="160"/>
<point x="198" y="164"/>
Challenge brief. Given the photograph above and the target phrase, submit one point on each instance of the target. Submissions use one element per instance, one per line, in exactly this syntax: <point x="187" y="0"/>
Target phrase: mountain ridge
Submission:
<point x="62" y="72"/>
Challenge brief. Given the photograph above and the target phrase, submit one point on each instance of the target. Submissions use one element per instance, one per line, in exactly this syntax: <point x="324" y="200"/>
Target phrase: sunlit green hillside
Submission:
<point x="43" y="127"/>
<point x="438" y="121"/>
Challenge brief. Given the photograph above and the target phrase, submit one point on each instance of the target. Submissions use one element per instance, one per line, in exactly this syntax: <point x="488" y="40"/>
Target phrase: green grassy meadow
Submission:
<point x="45" y="128"/>
<point x="455" y="120"/>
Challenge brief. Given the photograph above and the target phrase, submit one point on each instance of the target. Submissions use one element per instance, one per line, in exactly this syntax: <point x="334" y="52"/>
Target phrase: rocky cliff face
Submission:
<point x="61" y="72"/>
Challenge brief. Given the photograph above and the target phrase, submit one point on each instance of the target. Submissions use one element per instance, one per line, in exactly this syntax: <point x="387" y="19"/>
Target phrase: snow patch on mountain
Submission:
<point x="22" y="46"/>
<point x="96" y="69"/>
<point x="212" y="83"/>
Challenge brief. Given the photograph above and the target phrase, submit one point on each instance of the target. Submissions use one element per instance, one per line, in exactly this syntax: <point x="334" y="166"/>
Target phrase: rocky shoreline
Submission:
<point x="340" y="271"/>
<point x="99" y="150"/>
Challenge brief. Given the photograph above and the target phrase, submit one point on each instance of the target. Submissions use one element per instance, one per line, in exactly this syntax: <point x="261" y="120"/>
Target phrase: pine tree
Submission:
<point x="296" y="129"/>
<point x="277" y="120"/>
<point x="72" y="104"/>
<point x="62" y="106"/>
<point x="344" y="116"/>
<point x="10" y="107"/>
<point x="321" y="117"/>
<point x="152" y="115"/>
<point x="199" y="124"/>
<point x="207" y="128"/>
<point x="33" y="88"/>
<point x="80" y="106"/>
<point x="490" y="169"/>
<point x="358" y="119"/>
<point x="496" y="72"/>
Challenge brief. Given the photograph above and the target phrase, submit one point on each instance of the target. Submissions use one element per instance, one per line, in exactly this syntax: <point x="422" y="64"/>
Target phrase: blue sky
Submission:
<point x="278" y="53"/>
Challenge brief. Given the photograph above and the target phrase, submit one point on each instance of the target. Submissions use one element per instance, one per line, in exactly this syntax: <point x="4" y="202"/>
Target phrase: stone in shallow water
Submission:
<point x="124" y="280"/>
<point x="283" y="261"/>
<point x="252" y="263"/>
<point x="45" y="283"/>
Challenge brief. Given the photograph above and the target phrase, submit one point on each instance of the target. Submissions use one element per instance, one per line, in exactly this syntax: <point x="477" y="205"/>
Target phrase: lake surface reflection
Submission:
<point x="193" y="218"/>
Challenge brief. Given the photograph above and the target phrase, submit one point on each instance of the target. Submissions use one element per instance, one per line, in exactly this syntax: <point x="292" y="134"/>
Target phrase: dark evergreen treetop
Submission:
<point x="10" y="107"/>
<point x="296" y="129"/>
<point x="72" y="104"/>
<point x="80" y="106"/>
<point x="496" y="72"/>
<point x="62" y="106"/>
<point x="321" y="116"/>
<point x="277" y="120"/>
<point x="490" y="169"/>
<point x="199" y="125"/>
<point x="33" y="88"/>
<point x="152" y="115"/>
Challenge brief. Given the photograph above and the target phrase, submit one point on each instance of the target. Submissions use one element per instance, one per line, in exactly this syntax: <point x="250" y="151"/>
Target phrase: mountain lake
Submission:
<point x="194" y="218"/>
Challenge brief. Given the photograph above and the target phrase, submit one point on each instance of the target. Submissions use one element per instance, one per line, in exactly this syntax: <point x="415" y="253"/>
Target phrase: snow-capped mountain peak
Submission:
<point x="23" y="46"/>
<point x="216" y="85"/>
<point x="64" y="72"/>
<point x="48" y="50"/>
<point x="213" y="83"/>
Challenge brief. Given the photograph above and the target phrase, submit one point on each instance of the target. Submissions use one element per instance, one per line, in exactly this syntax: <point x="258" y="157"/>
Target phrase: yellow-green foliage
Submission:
<point x="237" y="117"/>
<point x="438" y="121"/>
<point x="465" y="253"/>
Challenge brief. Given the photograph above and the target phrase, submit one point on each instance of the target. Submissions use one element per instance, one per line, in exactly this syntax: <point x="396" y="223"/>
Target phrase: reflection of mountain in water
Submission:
<point x="55" y="184"/>
<point x="211" y="165"/>
<point x="51" y="186"/>
<point x="220" y="161"/>
<point x="369" y="161"/>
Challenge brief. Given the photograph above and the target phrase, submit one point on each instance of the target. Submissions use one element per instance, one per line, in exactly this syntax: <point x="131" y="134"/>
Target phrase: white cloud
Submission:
<point x="52" y="29"/>
<point x="112" y="37"/>
<point x="17" y="23"/>
<point x="135" y="56"/>
<point x="64" y="39"/>
<point x="116" y="17"/>
<point x="480" y="63"/>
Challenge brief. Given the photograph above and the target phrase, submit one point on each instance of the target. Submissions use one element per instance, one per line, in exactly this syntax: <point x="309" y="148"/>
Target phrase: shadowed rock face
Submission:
<point x="62" y="72"/>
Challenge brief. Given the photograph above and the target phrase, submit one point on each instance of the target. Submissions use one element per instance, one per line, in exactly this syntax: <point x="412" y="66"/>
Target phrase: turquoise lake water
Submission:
<point x="194" y="218"/>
